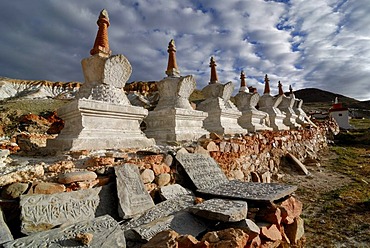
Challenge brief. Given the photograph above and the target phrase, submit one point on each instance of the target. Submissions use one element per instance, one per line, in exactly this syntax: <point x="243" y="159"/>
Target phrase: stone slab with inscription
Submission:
<point x="5" y="234"/>
<point x="250" y="191"/>
<point x="221" y="210"/>
<point x="132" y="195"/>
<point x="160" y="210"/>
<point x="105" y="231"/>
<point x="41" y="212"/>
<point x="181" y="222"/>
<point x="173" y="191"/>
<point x="202" y="170"/>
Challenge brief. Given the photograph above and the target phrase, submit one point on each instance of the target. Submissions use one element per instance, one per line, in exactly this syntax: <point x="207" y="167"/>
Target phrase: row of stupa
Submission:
<point x="102" y="117"/>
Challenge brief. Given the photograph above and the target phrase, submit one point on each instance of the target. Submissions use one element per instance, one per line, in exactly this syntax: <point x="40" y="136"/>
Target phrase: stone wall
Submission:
<point x="263" y="152"/>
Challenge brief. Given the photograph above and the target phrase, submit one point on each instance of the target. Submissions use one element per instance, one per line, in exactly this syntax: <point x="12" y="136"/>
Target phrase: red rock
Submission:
<point x="164" y="239"/>
<point x="48" y="188"/>
<point x="77" y="176"/>
<point x="295" y="231"/>
<point x="271" y="232"/>
<point x="254" y="242"/>
<point x="99" y="161"/>
<point x="61" y="166"/>
<point x="290" y="209"/>
<point x="270" y="244"/>
<point x="188" y="241"/>
<point x="270" y="214"/>
<point x="230" y="237"/>
<point x="211" y="146"/>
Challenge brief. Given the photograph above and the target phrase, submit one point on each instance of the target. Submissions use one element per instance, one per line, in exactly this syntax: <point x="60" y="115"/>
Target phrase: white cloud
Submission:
<point x="306" y="43"/>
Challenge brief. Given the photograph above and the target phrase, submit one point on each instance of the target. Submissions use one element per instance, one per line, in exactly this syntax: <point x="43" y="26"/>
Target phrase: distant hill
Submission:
<point x="326" y="98"/>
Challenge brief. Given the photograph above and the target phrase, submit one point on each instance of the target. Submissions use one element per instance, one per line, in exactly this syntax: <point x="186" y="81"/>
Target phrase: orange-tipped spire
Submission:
<point x="172" y="69"/>
<point x="214" y="77"/>
<point x="267" y="85"/>
<point x="281" y="92"/>
<point x="101" y="44"/>
<point x="242" y="79"/>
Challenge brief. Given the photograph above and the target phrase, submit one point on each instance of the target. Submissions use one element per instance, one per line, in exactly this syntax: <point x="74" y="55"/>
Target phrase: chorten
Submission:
<point x="252" y="119"/>
<point x="174" y="119"/>
<point x="102" y="117"/>
<point x="222" y="113"/>
<point x="286" y="106"/>
<point x="269" y="104"/>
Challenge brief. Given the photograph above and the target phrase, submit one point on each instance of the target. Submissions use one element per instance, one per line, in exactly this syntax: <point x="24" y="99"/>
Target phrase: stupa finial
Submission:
<point x="214" y="77"/>
<point x="281" y="92"/>
<point x="242" y="79"/>
<point x="172" y="69"/>
<point x="290" y="89"/>
<point x="101" y="44"/>
<point x="267" y="85"/>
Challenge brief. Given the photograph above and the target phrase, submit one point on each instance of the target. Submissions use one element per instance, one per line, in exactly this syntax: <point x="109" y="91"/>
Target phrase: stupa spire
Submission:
<point x="172" y="69"/>
<point x="242" y="79"/>
<point x="267" y="85"/>
<point x="290" y="89"/>
<point x="101" y="44"/>
<point x="281" y="92"/>
<point x="214" y="77"/>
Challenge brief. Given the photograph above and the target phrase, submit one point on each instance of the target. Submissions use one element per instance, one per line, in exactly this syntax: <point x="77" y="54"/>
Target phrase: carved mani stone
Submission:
<point x="41" y="212"/>
<point x="105" y="231"/>
<point x="221" y="210"/>
<point x="132" y="195"/>
<point x="203" y="170"/>
<point x="209" y="179"/>
<point x="182" y="222"/>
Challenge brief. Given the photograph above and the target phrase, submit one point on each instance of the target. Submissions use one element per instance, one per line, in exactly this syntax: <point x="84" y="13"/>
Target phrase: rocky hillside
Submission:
<point x="33" y="89"/>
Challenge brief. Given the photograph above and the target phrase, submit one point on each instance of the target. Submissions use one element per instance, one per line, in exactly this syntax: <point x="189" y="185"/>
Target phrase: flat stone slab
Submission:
<point x="41" y="212"/>
<point x="173" y="191"/>
<point x="221" y="210"/>
<point x="76" y="176"/>
<point x="160" y="210"/>
<point x="181" y="222"/>
<point x="250" y="191"/>
<point x="132" y="195"/>
<point x="202" y="170"/>
<point x="105" y="231"/>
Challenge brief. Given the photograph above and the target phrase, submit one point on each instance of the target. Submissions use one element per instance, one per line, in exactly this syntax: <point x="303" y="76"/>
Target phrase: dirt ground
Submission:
<point x="336" y="200"/>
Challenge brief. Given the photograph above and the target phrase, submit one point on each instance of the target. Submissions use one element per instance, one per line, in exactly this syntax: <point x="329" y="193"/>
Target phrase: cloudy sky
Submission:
<point x="321" y="44"/>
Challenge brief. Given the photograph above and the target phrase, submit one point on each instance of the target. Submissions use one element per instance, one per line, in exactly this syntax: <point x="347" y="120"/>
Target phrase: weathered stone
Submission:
<point x="201" y="150"/>
<point x="247" y="225"/>
<point x="266" y="177"/>
<point x="189" y="241"/>
<point x="133" y="198"/>
<point x="147" y="176"/>
<point x="221" y="210"/>
<point x="250" y="191"/>
<point x="270" y="232"/>
<point x="160" y="210"/>
<point x="105" y="230"/>
<point x="5" y="234"/>
<point x="173" y="191"/>
<point x="163" y="179"/>
<point x="21" y="173"/>
<point x="202" y="170"/>
<point x="295" y="231"/>
<point x="270" y="214"/>
<point x="76" y="176"/>
<point x="164" y="239"/>
<point x="181" y="222"/>
<point x="42" y="212"/>
<point x="211" y="146"/>
<point x="290" y="209"/>
<point x="299" y="165"/>
<point x="14" y="190"/>
<point x="48" y="188"/>
<point x="230" y="237"/>
<point x="3" y="156"/>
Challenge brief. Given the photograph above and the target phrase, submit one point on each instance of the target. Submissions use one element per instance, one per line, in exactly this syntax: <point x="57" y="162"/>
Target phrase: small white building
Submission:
<point x="340" y="114"/>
